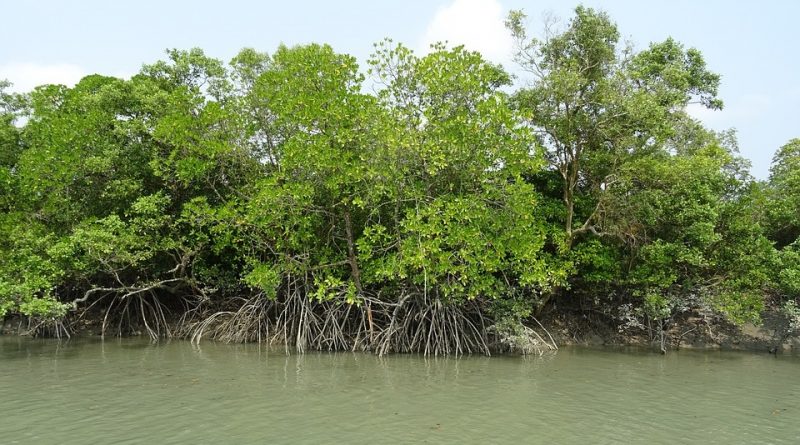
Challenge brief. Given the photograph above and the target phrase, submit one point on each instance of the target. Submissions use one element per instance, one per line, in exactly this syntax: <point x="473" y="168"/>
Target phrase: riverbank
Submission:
<point x="691" y="330"/>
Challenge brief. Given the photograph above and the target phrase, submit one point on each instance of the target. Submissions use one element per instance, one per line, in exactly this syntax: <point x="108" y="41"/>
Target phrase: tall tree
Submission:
<point x="461" y="224"/>
<point x="647" y="193"/>
<point x="783" y="219"/>
<point x="596" y="105"/>
<point x="784" y="182"/>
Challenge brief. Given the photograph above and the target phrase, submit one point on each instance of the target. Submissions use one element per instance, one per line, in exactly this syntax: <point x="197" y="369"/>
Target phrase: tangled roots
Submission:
<point x="411" y="324"/>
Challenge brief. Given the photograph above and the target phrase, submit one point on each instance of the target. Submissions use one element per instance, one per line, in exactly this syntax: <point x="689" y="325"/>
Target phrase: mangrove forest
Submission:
<point x="435" y="203"/>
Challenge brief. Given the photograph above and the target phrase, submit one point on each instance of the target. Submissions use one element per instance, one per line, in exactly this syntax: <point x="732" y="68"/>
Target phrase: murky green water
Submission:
<point x="130" y="391"/>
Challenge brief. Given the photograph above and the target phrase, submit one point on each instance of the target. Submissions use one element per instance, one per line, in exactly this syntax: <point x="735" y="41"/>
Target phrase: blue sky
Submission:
<point x="754" y="46"/>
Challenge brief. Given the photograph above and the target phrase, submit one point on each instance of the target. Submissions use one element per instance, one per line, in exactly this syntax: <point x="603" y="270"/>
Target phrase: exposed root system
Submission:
<point x="136" y="313"/>
<point x="411" y="324"/>
<point x="414" y="322"/>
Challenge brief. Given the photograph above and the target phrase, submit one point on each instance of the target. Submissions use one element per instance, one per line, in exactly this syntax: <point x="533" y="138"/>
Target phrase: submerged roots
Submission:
<point x="410" y="324"/>
<point x="140" y="313"/>
<point x="44" y="327"/>
<point x="515" y="337"/>
<point x="413" y="323"/>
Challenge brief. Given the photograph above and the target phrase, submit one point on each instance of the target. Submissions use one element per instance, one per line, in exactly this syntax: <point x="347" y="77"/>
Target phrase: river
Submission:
<point x="129" y="391"/>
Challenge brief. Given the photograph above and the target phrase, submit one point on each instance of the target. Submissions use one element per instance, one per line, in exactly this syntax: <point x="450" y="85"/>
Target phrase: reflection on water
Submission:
<point x="133" y="391"/>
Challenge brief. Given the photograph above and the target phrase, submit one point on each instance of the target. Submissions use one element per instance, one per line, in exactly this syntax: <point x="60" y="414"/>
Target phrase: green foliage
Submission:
<point x="29" y="278"/>
<point x="789" y="271"/>
<point x="781" y="199"/>
<point x="792" y="312"/>
<point x="784" y="194"/>
<point x="460" y="220"/>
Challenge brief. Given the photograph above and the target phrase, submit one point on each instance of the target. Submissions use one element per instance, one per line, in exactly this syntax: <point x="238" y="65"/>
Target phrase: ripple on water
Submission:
<point x="132" y="391"/>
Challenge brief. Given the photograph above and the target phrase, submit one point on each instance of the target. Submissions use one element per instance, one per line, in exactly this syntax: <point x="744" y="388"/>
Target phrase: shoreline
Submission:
<point x="692" y="331"/>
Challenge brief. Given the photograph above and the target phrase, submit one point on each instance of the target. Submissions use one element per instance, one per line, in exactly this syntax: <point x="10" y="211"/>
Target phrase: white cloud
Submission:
<point x="26" y="76"/>
<point x="476" y="24"/>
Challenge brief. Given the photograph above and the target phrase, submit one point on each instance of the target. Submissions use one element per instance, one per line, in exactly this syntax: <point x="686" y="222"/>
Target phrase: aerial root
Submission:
<point x="54" y="327"/>
<point x="412" y="324"/>
<point x="140" y="313"/>
<point x="513" y="336"/>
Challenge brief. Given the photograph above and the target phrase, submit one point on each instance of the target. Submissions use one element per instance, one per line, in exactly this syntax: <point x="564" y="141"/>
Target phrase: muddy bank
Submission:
<point x="692" y="330"/>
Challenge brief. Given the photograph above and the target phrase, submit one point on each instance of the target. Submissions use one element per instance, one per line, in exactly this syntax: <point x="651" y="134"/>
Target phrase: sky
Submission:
<point x="753" y="45"/>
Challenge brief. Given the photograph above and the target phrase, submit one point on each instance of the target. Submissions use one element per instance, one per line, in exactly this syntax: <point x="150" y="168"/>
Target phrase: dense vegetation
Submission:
<point x="276" y="198"/>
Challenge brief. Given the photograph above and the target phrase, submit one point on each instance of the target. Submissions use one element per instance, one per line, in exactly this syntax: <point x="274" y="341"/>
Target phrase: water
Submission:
<point x="130" y="391"/>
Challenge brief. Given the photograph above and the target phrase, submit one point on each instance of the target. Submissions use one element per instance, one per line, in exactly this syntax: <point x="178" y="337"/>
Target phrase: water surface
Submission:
<point x="131" y="391"/>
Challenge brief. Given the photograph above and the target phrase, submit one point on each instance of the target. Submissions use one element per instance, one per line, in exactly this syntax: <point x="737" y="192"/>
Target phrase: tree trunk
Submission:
<point x="351" y="251"/>
<point x="569" y="202"/>
<point x="355" y="271"/>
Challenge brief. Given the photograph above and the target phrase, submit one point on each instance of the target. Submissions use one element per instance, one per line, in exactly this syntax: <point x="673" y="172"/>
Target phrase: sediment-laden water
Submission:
<point x="131" y="391"/>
